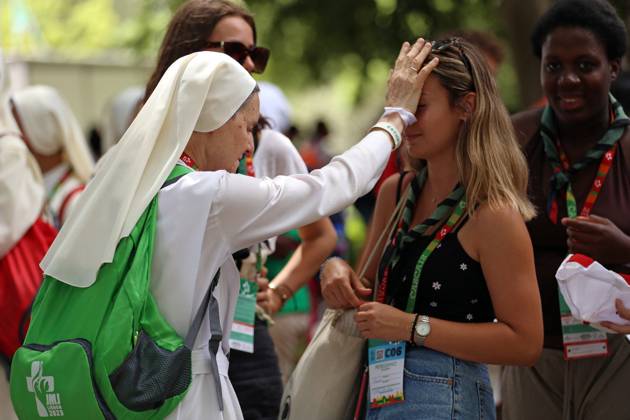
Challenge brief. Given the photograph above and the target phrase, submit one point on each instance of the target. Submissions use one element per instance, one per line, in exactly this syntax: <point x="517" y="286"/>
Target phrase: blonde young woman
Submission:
<point x="470" y="185"/>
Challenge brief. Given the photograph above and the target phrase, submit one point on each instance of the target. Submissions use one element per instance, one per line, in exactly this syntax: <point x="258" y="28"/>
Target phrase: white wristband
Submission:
<point x="392" y="131"/>
<point x="407" y="117"/>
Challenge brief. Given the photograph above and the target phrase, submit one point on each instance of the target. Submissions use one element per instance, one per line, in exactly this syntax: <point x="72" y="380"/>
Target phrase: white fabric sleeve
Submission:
<point x="249" y="210"/>
<point x="21" y="192"/>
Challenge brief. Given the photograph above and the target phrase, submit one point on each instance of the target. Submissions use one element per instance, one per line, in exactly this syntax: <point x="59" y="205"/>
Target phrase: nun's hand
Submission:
<point x="409" y="74"/>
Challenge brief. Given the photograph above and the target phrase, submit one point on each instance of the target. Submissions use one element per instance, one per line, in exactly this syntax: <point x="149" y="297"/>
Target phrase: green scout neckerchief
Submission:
<point x="562" y="169"/>
<point x="452" y="204"/>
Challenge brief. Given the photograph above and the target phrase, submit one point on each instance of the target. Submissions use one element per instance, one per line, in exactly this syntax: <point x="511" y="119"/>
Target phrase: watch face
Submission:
<point x="423" y="329"/>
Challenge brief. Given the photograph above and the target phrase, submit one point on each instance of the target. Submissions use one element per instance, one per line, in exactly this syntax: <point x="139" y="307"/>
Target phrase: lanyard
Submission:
<point x="189" y="161"/>
<point x="602" y="171"/>
<point x="455" y="216"/>
<point x="445" y="230"/>
<point x="249" y="164"/>
<point x="59" y="183"/>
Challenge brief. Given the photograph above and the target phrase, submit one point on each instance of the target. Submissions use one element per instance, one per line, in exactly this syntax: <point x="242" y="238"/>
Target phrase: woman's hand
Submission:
<point x="409" y="74"/>
<point x="269" y="300"/>
<point x="623" y="312"/>
<point x="377" y="320"/>
<point x="598" y="238"/>
<point x="341" y="287"/>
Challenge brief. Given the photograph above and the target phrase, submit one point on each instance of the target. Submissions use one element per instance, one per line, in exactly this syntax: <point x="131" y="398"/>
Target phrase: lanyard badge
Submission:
<point x="580" y="340"/>
<point x="386" y="361"/>
<point x="242" y="334"/>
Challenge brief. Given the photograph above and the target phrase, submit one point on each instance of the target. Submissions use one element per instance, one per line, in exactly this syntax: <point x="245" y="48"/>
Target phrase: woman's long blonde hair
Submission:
<point x="489" y="159"/>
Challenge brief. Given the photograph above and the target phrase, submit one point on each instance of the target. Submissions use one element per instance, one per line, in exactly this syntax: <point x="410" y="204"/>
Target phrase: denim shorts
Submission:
<point x="439" y="386"/>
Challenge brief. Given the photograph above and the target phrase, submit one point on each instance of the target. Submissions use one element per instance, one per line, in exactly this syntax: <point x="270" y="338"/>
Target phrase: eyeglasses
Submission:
<point x="443" y="44"/>
<point x="240" y="52"/>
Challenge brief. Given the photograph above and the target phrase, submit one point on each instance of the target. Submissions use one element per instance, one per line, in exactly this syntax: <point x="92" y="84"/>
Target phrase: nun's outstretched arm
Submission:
<point x="250" y="210"/>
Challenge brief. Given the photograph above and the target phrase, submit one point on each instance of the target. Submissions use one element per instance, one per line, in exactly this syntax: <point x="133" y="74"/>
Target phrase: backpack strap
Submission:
<point x="177" y="172"/>
<point x="210" y="304"/>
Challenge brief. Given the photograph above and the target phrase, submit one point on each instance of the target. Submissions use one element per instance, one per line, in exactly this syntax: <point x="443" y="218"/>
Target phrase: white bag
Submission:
<point x="326" y="381"/>
<point x="324" y="384"/>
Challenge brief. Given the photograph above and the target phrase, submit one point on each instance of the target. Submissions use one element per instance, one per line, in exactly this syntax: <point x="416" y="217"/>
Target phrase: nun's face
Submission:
<point x="223" y="148"/>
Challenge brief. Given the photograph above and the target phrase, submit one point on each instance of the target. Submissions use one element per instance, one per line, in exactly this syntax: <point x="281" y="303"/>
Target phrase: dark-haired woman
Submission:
<point x="223" y="26"/>
<point x="578" y="149"/>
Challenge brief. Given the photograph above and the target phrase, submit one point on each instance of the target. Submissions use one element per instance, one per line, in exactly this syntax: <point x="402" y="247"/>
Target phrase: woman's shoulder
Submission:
<point x="497" y="219"/>
<point x="496" y="230"/>
<point x="394" y="186"/>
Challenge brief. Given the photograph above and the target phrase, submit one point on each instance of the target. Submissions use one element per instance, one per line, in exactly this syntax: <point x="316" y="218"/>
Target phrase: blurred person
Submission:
<point x="119" y="114"/>
<point x="275" y="107"/>
<point x="578" y="150"/>
<point x="54" y="137"/>
<point x="313" y="151"/>
<point x="24" y="237"/>
<point x="460" y="256"/>
<point x="200" y="120"/>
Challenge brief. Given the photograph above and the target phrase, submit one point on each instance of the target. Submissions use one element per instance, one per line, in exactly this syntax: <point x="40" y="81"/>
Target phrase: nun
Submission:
<point x="54" y="137"/>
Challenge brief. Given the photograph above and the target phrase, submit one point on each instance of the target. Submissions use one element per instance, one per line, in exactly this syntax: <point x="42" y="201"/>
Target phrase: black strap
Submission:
<point x="172" y="181"/>
<point x="403" y="174"/>
<point x="210" y="304"/>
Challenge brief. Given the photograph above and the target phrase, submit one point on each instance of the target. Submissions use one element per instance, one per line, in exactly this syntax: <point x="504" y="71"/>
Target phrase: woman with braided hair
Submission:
<point x="460" y="256"/>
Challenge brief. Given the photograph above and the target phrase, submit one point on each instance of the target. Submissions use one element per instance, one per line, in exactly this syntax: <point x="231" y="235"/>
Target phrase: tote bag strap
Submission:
<point x="390" y="227"/>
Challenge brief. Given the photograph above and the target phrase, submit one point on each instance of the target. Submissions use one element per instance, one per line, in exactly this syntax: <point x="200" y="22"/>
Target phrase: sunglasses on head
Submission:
<point x="443" y="44"/>
<point x="240" y="52"/>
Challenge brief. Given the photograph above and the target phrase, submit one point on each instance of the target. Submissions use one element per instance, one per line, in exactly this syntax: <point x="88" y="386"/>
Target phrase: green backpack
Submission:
<point x="105" y="351"/>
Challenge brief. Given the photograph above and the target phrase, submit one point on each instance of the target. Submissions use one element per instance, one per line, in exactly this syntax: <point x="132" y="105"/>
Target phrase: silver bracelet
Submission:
<point x="407" y="116"/>
<point x="392" y="131"/>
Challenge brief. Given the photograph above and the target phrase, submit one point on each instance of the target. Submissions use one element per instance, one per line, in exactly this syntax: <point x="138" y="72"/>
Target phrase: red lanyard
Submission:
<point x="603" y="169"/>
<point x="189" y="161"/>
<point x="249" y="164"/>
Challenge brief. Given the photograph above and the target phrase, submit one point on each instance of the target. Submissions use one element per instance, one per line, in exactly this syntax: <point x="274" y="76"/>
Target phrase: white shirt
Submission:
<point x="276" y="155"/>
<point x="206" y="216"/>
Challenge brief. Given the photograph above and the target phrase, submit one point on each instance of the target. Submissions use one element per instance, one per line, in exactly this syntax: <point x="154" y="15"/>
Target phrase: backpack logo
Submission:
<point x="47" y="401"/>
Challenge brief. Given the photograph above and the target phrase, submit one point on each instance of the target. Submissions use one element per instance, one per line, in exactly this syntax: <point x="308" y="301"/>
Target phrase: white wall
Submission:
<point x="87" y="87"/>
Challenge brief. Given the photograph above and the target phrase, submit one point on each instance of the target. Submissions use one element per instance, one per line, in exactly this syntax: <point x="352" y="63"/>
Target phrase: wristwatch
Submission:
<point x="422" y="330"/>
